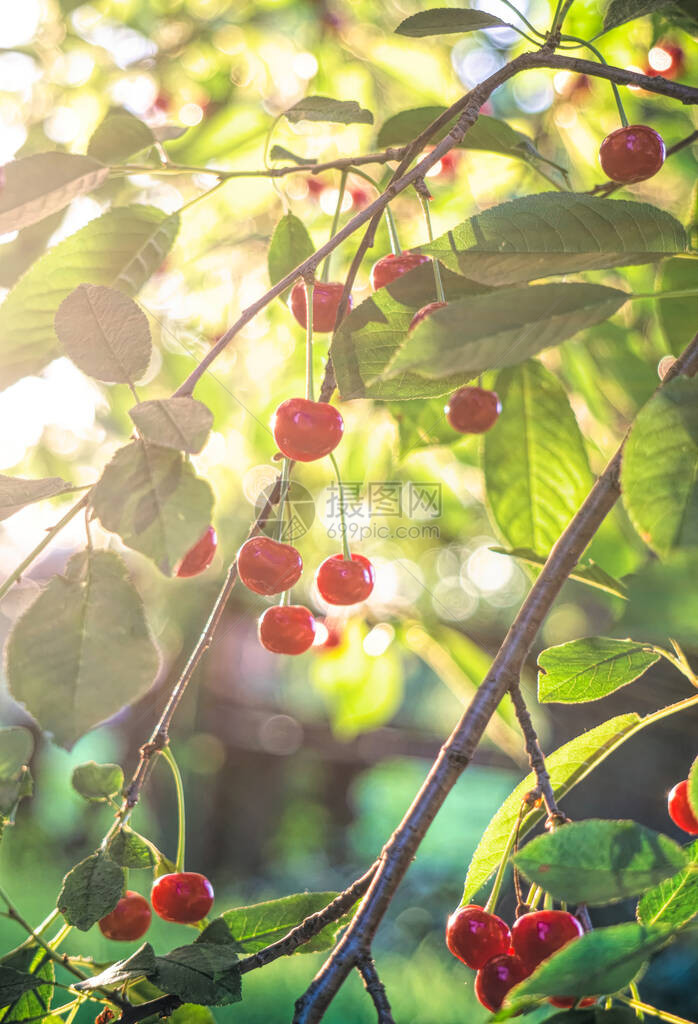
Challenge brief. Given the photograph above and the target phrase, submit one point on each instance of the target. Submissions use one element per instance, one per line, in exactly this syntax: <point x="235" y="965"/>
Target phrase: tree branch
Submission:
<point x="458" y="750"/>
<point x="375" y="988"/>
<point x="536" y="757"/>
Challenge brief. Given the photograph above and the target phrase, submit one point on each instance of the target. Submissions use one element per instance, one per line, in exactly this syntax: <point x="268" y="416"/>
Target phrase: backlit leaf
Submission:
<point x="97" y="781"/>
<point x="584" y="572"/>
<point x="91" y="890"/>
<point x="182" y="423"/>
<point x="37" y="186"/>
<point x="677" y="315"/>
<point x="105" y="333"/>
<point x="16" y="492"/>
<point x="118" y="137"/>
<point x="590" y="668"/>
<point x="290" y="245"/>
<point x="674" y="901"/>
<point x="488" y="133"/>
<point x="16" y="749"/>
<point x="256" y="926"/>
<point x="444" y="20"/>
<point x="324" y="108"/>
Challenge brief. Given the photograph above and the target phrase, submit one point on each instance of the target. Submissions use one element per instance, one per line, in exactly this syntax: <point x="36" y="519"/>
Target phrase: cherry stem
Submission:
<point x="181" y="813"/>
<point x="499" y="877"/>
<point x="679" y="661"/>
<point x="440" y="296"/>
<point x="335" y="224"/>
<point x="653" y="1011"/>
<point x="526" y="22"/>
<point x="309" y="316"/>
<point x="392" y="232"/>
<point x="616" y="93"/>
<point x="679" y="293"/>
<point x="342" y="512"/>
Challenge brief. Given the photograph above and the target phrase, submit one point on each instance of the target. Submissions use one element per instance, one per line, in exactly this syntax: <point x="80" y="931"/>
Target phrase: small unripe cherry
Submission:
<point x="326" y="299"/>
<point x="129" y="920"/>
<point x="199" y="557"/>
<point x="344" y="581"/>
<point x="475" y="936"/>
<point x="182" y="896"/>
<point x="680" y="810"/>
<point x="388" y="268"/>
<point x="631" y="154"/>
<point x="496" y="978"/>
<point x="423" y="313"/>
<point x="286" y="629"/>
<point x="538" y="935"/>
<point x="305" y="430"/>
<point x="473" y="410"/>
<point x="267" y="566"/>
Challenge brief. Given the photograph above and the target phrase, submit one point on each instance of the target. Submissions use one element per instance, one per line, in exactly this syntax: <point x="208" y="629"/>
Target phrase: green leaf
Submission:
<point x="82" y="650"/>
<point x="120" y="249"/>
<point x="39" y="185"/>
<point x="290" y="245"/>
<point x="16" y="749"/>
<point x="19" y="254"/>
<point x="693" y="787"/>
<point x="141" y="964"/>
<point x="556" y="233"/>
<point x="590" y="668"/>
<point x="36" y="1002"/>
<point x="118" y="137"/>
<point x="12" y="792"/>
<point x="205" y="972"/>
<point x="619" y="12"/>
<point x="13" y="985"/>
<point x="599" y="963"/>
<point x="182" y="423"/>
<point x="585" y="572"/>
<point x="674" y="901"/>
<point x="536" y="468"/>
<point x="659" y="474"/>
<point x="152" y="498"/>
<point x="599" y="862"/>
<point x="16" y="493"/>
<point x="567" y="766"/>
<point x="501" y="328"/>
<point x="281" y="153"/>
<point x="105" y="333"/>
<point x="91" y="890"/>
<point x="444" y="20"/>
<point x="323" y="108"/>
<point x="190" y="1013"/>
<point x="421" y="424"/>
<point x="488" y="133"/>
<point x="97" y="781"/>
<point x="257" y="926"/>
<point x="676" y="315"/>
<point x="128" y="849"/>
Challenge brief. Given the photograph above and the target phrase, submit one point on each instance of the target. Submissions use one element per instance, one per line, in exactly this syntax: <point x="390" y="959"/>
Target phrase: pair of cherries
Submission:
<point x="502" y="956"/>
<point x="184" y="897"/>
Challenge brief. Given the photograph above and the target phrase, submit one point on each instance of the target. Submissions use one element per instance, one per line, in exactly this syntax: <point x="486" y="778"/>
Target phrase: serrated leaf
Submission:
<point x="152" y="498"/>
<point x="105" y="333"/>
<point x="676" y="315"/>
<point x="556" y="233"/>
<point x="599" y="963"/>
<point x="567" y="766"/>
<point x="16" y="492"/>
<point x="501" y="328"/>
<point x="584" y="572"/>
<point x="140" y="964"/>
<point x="205" y="972"/>
<point x="659" y="474"/>
<point x="36" y="1003"/>
<point x="324" y="108"/>
<point x="120" y="249"/>
<point x="445" y="20"/>
<point x="368" y="338"/>
<point x="598" y="861"/>
<point x="91" y="890"/>
<point x="181" y="423"/>
<point x="619" y="12"/>
<point x="290" y="245"/>
<point x="13" y="985"/>
<point x="692" y="791"/>
<point x="590" y="668"/>
<point x="255" y="927"/>
<point x="128" y="849"/>
<point x="536" y="468"/>
<point x="82" y="650"/>
<point x="97" y="781"/>
<point x="674" y="901"/>
<point x="37" y="186"/>
<point x="119" y="136"/>
<point x="16" y="749"/>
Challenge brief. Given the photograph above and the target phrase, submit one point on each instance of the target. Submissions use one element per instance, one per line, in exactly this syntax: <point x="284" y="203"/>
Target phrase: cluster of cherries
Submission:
<point x="502" y="956"/>
<point x="184" y="897"/>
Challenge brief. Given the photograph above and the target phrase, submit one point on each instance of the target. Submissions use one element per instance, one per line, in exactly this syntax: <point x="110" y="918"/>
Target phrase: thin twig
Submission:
<point x="375" y="988"/>
<point x="535" y="756"/>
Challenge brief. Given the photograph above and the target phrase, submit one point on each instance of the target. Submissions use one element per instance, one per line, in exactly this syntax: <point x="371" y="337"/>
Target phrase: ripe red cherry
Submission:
<point x="183" y="896"/>
<point x="390" y="267"/>
<point x="129" y="920"/>
<point x="423" y="313"/>
<point x="341" y="581"/>
<point x="472" y="410"/>
<point x="267" y="566"/>
<point x="538" y="935"/>
<point x="198" y="558"/>
<point x="306" y="430"/>
<point x="566" y="1003"/>
<point x="632" y="154"/>
<point x="325" y="304"/>
<point x="680" y="811"/>
<point x="286" y="629"/>
<point x="475" y="936"/>
<point x="494" y="980"/>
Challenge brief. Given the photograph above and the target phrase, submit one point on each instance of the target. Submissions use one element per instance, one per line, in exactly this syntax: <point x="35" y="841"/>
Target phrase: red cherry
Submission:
<point x="325" y="304"/>
<point x="566" y="1003"/>
<point x="538" y="935"/>
<point x="472" y="410"/>
<point x="680" y="810"/>
<point x="198" y="558"/>
<point x="267" y="566"/>
<point x="183" y="896"/>
<point x="359" y="197"/>
<point x="475" y="936"/>
<point x="306" y="430"/>
<point x="129" y="920"/>
<point x="286" y="629"/>
<point x="341" y="581"/>
<point x="632" y="154"/>
<point x="390" y="267"/>
<point x="494" y="980"/>
<point x="423" y="313"/>
<point x="316" y="186"/>
<point x="665" y="59"/>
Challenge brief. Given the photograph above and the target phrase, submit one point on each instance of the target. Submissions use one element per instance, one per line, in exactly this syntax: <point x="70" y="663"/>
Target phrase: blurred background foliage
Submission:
<point x="296" y="771"/>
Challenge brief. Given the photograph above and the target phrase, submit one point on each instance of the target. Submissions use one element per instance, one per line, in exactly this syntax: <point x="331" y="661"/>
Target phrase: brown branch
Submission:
<point x="458" y="750"/>
<point x="375" y="988"/>
<point x="536" y="757"/>
<point x="345" y="163"/>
